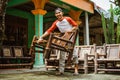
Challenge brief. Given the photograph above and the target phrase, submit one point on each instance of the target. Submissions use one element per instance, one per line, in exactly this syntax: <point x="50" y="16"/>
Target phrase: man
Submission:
<point x="64" y="24"/>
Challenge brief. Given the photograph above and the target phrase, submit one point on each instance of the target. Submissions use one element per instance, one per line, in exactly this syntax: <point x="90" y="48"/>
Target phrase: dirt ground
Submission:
<point x="50" y="75"/>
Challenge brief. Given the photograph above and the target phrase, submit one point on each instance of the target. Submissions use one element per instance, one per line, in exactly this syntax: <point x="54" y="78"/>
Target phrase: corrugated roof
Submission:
<point x="102" y="9"/>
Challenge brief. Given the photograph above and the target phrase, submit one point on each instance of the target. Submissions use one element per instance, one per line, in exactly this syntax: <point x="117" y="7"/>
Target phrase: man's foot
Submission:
<point x="75" y="74"/>
<point x="59" y="73"/>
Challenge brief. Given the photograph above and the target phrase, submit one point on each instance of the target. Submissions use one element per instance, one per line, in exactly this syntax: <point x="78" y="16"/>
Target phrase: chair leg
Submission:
<point x="47" y="49"/>
<point x="47" y="53"/>
<point x="46" y="65"/>
<point x="69" y="58"/>
<point x="86" y="63"/>
<point x="95" y="64"/>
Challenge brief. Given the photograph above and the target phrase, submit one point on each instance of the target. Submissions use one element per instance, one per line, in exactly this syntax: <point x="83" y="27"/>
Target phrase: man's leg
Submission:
<point x="62" y="62"/>
<point x="75" y="61"/>
<point x="76" y="65"/>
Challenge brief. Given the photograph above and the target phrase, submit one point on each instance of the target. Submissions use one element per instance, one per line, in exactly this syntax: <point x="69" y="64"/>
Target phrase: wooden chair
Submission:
<point x="53" y="61"/>
<point x="86" y="55"/>
<point x="40" y="46"/>
<point x="15" y="57"/>
<point x="65" y="43"/>
<point x="110" y="59"/>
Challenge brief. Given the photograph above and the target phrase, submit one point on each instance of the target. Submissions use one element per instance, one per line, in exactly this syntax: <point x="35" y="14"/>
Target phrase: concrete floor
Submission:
<point x="41" y="74"/>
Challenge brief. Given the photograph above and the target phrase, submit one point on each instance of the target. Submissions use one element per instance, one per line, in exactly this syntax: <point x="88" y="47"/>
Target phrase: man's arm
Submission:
<point x="72" y="22"/>
<point x="47" y="32"/>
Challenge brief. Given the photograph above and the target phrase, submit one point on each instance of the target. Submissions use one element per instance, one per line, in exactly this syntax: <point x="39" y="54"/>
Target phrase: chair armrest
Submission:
<point x="101" y="55"/>
<point x="89" y="55"/>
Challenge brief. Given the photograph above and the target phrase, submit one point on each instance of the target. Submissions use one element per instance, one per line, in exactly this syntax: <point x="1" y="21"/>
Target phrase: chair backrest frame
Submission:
<point x="86" y="49"/>
<point x="112" y="51"/>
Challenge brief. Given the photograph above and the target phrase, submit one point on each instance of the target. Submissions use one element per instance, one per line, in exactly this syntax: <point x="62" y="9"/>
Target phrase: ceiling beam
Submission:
<point x="66" y="4"/>
<point x="59" y="3"/>
<point x="23" y="14"/>
<point x="13" y="3"/>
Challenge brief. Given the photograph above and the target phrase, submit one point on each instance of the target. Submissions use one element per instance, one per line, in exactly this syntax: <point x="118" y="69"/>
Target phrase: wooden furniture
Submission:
<point x="40" y="46"/>
<point x="15" y="57"/>
<point x="110" y="60"/>
<point x="65" y="43"/>
<point x="53" y="61"/>
<point x="86" y="55"/>
<point x="3" y="5"/>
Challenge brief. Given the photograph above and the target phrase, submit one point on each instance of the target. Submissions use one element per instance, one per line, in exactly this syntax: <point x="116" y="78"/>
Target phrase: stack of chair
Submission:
<point x="109" y="60"/>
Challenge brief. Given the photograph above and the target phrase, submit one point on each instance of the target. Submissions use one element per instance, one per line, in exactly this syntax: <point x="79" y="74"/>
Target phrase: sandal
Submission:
<point x="59" y="73"/>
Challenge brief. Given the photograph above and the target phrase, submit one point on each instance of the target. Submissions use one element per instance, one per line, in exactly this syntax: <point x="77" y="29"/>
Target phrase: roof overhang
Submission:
<point x="85" y="5"/>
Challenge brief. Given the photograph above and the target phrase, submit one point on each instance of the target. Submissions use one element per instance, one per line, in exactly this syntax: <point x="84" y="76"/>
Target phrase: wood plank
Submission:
<point x="108" y="69"/>
<point x="102" y="60"/>
<point x="85" y="5"/>
<point x="23" y="64"/>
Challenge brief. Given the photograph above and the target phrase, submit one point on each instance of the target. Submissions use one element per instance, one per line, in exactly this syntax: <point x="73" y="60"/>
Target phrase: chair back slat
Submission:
<point x="100" y="50"/>
<point x="113" y="51"/>
<point x="86" y="49"/>
<point x="67" y="36"/>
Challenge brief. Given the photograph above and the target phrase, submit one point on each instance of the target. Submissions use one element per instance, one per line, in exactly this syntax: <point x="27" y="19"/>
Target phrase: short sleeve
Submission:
<point x="71" y="21"/>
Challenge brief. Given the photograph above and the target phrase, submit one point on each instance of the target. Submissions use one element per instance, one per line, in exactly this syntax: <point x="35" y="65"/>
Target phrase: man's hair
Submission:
<point x="58" y="9"/>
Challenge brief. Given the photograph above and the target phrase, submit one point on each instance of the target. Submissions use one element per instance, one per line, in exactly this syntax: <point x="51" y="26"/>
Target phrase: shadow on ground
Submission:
<point x="50" y="75"/>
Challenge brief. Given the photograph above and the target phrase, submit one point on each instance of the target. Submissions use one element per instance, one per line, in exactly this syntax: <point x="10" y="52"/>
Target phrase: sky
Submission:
<point x="105" y="4"/>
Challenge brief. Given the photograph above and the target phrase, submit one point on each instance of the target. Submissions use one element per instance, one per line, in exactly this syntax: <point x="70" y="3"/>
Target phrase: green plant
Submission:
<point x="108" y="27"/>
<point x="118" y="31"/>
<point x="104" y="28"/>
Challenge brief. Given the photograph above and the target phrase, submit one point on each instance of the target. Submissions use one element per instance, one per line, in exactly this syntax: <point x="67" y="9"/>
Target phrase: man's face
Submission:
<point x="59" y="14"/>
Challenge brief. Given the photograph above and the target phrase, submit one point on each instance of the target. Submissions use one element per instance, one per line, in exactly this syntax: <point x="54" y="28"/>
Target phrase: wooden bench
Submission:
<point x="86" y="54"/>
<point x="15" y="57"/>
<point x="110" y="60"/>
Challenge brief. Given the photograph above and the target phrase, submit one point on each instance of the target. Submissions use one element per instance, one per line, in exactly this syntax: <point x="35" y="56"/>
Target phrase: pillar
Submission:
<point x="87" y="29"/>
<point x="39" y="13"/>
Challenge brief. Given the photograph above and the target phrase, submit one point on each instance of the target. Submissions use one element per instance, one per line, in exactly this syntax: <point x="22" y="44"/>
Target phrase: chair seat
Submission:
<point x="108" y="59"/>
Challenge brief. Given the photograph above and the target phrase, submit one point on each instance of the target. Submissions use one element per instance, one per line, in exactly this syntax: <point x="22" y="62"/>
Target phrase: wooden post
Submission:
<point x="86" y="63"/>
<point x="87" y="29"/>
<point x="95" y="63"/>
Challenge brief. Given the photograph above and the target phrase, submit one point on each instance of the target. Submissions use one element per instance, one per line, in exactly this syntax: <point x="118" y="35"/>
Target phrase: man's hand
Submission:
<point x="39" y="40"/>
